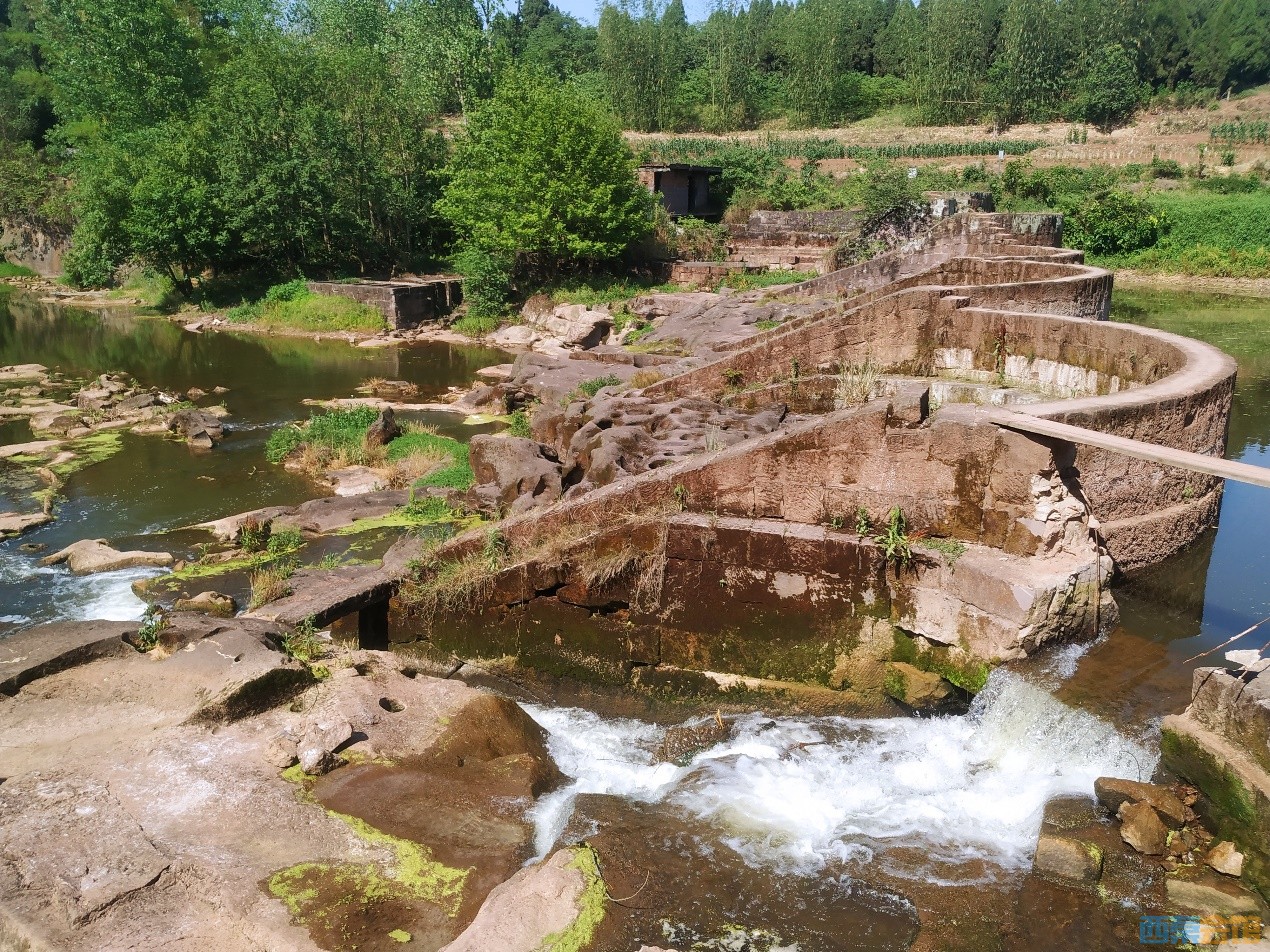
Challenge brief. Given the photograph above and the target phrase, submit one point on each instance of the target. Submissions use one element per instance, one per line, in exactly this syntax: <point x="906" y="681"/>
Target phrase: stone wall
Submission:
<point x="404" y="304"/>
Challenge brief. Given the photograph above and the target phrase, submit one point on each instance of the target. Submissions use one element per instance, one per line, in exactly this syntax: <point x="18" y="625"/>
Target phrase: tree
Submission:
<point x="1026" y="79"/>
<point x="1110" y="91"/>
<point x="542" y="176"/>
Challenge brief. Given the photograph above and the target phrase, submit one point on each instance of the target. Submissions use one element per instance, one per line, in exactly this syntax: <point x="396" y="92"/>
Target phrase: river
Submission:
<point x="820" y="834"/>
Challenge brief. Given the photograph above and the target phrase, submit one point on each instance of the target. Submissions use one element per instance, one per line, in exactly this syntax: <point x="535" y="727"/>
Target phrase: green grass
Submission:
<point x="1208" y="235"/>
<point x="336" y="429"/>
<point x="408" y="444"/>
<point x="474" y="325"/>
<point x="457" y="474"/>
<point x="599" y="290"/>
<point x="591" y="387"/>
<point x="765" y="279"/>
<point x="8" y="270"/>
<point x="152" y="289"/>
<point x="294" y="307"/>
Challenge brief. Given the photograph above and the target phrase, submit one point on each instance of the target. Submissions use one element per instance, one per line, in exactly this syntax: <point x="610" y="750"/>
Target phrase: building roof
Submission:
<point x="682" y="167"/>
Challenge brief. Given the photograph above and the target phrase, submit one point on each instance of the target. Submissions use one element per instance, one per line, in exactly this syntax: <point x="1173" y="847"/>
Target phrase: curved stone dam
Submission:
<point x="843" y="617"/>
<point x="847" y="508"/>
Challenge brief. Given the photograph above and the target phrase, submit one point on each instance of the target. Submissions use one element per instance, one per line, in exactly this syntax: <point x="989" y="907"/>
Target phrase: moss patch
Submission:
<point x="352" y="902"/>
<point x="591" y="907"/>
<point x="968" y="674"/>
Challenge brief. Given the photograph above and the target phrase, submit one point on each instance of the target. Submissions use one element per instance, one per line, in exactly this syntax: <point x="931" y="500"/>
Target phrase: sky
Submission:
<point x="588" y="11"/>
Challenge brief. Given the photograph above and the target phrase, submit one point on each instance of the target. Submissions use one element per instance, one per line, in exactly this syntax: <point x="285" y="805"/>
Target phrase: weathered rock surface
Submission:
<point x="143" y="798"/>
<point x="1068" y="859"/>
<point x="89" y="556"/>
<point x="550" y="899"/>
<point x="1141" y="828"/>
<point x="513" y="473"/>
<point x="1111" y="792"/>
<point x="1211" y="895"/>
<point x="209" y="603"/>
<point x="355" y="481"/>
<point x="385" y="429"/>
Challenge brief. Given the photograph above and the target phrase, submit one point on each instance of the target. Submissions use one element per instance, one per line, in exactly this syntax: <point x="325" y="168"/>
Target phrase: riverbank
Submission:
<point x="1186" y="283"/>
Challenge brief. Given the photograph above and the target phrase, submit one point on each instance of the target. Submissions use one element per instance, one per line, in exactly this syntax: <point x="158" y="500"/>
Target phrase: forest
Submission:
<point x="202" y="137"/>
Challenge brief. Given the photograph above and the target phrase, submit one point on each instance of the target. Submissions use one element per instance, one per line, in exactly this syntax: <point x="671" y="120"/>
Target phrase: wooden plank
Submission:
<point x="1164" y="455"/>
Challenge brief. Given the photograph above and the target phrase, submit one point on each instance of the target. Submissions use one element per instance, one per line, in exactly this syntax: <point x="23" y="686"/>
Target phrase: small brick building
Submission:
<point x="684" y="189"/>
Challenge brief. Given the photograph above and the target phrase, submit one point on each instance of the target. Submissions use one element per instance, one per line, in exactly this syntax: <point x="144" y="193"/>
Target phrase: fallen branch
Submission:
<point x="1230" y="641"/>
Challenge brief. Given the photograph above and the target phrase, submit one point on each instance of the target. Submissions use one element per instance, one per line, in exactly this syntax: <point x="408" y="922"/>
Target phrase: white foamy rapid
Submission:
<point x="945" y="799"/>
<point x="105" y="595"/>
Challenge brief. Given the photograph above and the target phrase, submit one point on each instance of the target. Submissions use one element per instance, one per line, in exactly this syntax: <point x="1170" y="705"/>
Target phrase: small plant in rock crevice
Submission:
<point x="894" y="539"/>
<point x="863" y="523"/>
<point x="304" y="643"/>
<point x="253" y="534"/>
<point x="153" y="623"/>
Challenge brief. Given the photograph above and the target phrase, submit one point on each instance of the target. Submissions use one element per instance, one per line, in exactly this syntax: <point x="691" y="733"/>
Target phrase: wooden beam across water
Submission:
<point x="1164" y="455"/>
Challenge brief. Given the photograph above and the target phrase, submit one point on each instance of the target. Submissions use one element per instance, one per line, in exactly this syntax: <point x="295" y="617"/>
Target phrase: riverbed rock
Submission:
<point x="89" y="556"/>
<point x="33" y="448"/>
<point x="140" y="401"/>
<point x="14" y="524"/>
<point x="682" y="742"/>
<point x="563" y="894"/>
<point x="573" y="325"/>
<point x="384" y="430"/>
<point x="1111" y="792"/>
<point x="1209" y="894"/>
<point x="355" y="481"/>
<point x="200" y="428"/>
<point x="1141" y="828"/>
<point x="1068" y="859"/>
<point x="99" y="855"/>
<point x="15" y="373"/>
<point x="513" y="472"/>
<point x="1225" y="858"/>
<point x="209" y="603"/>
<point x="915" y="688"/>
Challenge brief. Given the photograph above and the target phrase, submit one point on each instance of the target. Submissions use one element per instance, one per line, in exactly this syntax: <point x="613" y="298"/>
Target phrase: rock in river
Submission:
<point x="93" y="555"/>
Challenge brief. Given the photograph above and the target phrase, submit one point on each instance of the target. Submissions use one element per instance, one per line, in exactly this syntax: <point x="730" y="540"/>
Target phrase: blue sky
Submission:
<point x="588" y="11"/>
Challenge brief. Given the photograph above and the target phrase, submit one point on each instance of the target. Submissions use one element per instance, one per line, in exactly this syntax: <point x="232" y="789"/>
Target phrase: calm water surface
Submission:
<point x="155" y="485"/>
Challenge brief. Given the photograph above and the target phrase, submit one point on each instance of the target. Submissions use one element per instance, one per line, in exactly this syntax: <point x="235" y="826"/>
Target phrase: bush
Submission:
<point x="487" y="287"/>
<point x="290" y="291"/>
<point x="1112" y="223"/>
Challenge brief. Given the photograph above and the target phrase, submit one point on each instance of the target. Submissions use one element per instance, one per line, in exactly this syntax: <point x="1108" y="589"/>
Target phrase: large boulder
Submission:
<point x="209" y="603"/>
<point x="385" y="429"/>
<point x="915" y="688"/>
<point x="1068" y="859"/>
<point x="513" y="472"/>
<point x="199" y="427"/>
<point x="1141" y="828"/>
<point x="89" y="556"/>
<point x="561" y="899"/>
<point x="14" y="523"/>
<point x="576" y="325"/>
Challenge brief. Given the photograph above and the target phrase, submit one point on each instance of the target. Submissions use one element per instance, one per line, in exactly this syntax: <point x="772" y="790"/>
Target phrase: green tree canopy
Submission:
<point x="542" y="175"/>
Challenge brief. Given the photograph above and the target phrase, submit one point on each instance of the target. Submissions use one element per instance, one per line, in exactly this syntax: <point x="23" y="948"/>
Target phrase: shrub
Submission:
<point x="1112" y="223"/>
<point x="487" y="286"/>
<point x="269" y="583"/>
<point x="289" y="291"/>
<point x="519" y="424"/>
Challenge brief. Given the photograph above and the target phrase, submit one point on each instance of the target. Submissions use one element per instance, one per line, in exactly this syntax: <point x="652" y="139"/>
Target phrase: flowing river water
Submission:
<point x="819" y="834"/>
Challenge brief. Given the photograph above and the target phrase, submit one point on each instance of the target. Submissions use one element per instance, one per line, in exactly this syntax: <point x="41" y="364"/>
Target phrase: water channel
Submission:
<point x="818" y="834"/>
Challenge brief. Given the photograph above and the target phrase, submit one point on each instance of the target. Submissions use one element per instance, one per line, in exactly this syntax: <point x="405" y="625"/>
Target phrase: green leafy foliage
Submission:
<point x="1112" y="223"/>
<point x="541" y="176"/>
